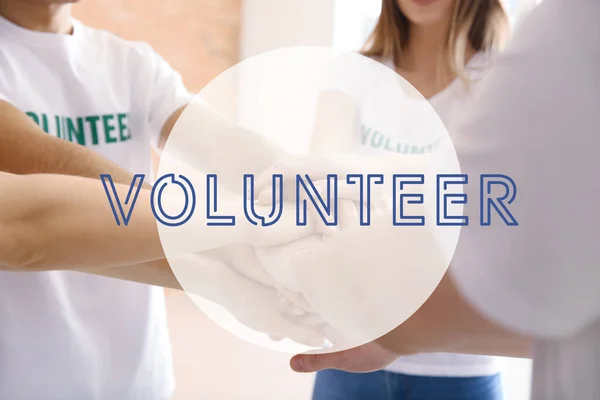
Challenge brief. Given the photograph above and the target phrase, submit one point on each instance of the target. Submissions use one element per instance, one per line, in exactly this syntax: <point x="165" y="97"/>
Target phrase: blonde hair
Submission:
<point x="482" y="24"/>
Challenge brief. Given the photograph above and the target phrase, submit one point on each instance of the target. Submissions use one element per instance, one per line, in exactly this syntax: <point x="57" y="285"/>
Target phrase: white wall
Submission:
<point x="353" y="22"/>
<point x="271" y="24"/>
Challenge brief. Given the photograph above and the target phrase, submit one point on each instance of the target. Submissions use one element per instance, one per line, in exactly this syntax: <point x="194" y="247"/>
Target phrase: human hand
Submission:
<point x="349" y="199"/>
<point x="319" y="166"/>
<point x="244" y="259"/>
<point x="376" y="171"/>
<point x="366" y="358"/>
<point x="276" y="260"/>
<point x="253" y="304"/>
<point x="284" y="231"/>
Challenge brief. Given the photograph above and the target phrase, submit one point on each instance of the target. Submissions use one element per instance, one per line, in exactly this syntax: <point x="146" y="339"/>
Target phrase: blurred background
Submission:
<point x="202" y="38"/>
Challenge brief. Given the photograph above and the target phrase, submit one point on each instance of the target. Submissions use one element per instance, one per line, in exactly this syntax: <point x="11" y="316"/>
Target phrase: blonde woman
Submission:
<point x="443" y="48"/>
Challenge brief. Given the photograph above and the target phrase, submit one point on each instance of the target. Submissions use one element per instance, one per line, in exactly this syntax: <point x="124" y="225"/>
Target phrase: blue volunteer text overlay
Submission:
<point x="326" y="208"/>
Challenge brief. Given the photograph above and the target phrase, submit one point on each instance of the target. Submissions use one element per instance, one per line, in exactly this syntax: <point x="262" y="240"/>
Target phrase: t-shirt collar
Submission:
<point x="34" y="38"/>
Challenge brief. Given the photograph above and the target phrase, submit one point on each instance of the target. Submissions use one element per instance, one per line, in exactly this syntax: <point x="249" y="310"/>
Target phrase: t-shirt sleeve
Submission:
<point x="535" y="121"/>
<point x="166" y="93"/>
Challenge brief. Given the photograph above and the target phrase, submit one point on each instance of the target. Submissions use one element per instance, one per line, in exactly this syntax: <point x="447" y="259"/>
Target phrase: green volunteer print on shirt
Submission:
<point x="87" y="130"/>
<point x="377" y="140"/>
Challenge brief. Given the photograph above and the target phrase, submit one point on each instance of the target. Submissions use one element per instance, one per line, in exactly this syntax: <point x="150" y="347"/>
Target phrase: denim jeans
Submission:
<point x="384" y="385"/>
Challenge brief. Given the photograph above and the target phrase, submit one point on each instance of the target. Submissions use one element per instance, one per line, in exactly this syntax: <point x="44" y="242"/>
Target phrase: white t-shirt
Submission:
<point x="450" y="103"/>
<point x="536" y="121"/>
<point x="68" y="335"/>
<point x="383" y="128"/>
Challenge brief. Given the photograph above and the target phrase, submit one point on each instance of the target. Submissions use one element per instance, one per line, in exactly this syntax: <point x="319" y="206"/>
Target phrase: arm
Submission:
<point x="208" y="275"/>
<point x="167" y="128"/>
<point x="355" y="268"/>
<point x="218" y="145"/>
<point x="337" y="123"/>
<point x="538" y="278"/>
<point x="26" y="149"/>
<point x="445" y="323"/>
<point x="448" y="323"/>
<point x="213" y="262"/>
<point x="62" y="222"/>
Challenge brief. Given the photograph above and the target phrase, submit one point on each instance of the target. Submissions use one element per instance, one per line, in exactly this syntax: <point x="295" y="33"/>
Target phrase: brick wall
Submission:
<point x="200" y="38"/>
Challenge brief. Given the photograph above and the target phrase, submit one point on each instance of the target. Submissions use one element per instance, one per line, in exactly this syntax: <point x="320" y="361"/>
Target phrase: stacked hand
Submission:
<point x="254" y="279"/>
<point x="263" y="286"/>
<point x="272" y="264"/>
<point x="318" y="288"/>
<point x="276" y="260"/>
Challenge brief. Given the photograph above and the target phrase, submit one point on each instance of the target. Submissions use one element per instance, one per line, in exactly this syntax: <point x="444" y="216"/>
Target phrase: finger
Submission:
<point x="265" y="195"/>
<point x="334" y="337"/>
<point x="242" y="259"/>
<point x="284" y="301"/>
<point x="295" y="298"/>
<point x="317" y="168"/>
<point x="307" y="319"/>
<point x="306" y="363"/>
<point x="347" y="195"/>
<point x="319" y="225"/>
<point x="366" y="358"/>
<point x="312" y="319"/>
<point x="315" y="217"/>
<point x="347" y="217"/>
<point x="285" y="231"/>
<point x="284" y="168"/>
<point x="275" y="324"/>
<point x="304" y="335"/>
<point x="344" y="190"/>
<point x="348" y="214"/>
<point x="278" y="326"/>
<point x="289" y="308"/>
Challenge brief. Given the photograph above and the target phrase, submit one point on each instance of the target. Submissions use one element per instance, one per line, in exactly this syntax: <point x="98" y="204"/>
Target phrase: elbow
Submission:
<point x="23" y="238"/>
<point x="20" y="248"/>
<point x="397" y="343"/>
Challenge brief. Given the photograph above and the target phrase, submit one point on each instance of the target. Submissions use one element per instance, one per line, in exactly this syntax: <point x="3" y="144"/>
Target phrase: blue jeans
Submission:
<point x="383" y="385"/>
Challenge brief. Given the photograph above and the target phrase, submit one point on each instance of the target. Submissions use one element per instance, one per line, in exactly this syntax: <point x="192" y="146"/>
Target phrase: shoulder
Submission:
<point x="388" y="62"/>
<point x="109" y="42"/>
<point x="480" y="64"/>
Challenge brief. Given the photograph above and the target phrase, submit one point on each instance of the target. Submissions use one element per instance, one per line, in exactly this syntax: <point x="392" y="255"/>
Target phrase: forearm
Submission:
<point x="208" y="274"/>
<point x="221" y="147"/>
<point x="46" y="229"/>
<point x="448" y="323"/>
<point x="26" y="149"/>
<point x="62" y="222"/>
<point x="58" y="222"/>
<point x="364" y="263"/>
<point x="155" y="273"/>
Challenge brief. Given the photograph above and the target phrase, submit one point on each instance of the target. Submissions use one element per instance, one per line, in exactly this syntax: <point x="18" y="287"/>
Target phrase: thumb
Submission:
<point x="306" y="363"/>
<point x="366" y="358"/>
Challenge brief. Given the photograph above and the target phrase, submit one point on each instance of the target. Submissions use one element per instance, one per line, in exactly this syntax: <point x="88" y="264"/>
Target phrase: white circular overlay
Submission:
<point x="378" y="180"/>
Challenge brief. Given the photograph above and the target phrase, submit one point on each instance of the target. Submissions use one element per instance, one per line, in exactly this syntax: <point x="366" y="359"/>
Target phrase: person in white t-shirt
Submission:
<point x="422" y="43"/>
<point x="65" y="334"/>
<point x="535" y="120"/>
